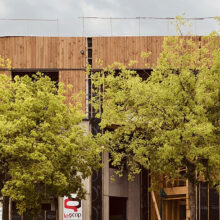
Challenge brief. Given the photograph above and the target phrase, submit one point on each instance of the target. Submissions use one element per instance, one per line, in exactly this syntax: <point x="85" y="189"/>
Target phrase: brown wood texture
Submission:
<point x="78" y="81"/>
<point x="44" y="52"/>
<point x="6" y="72"/>
<point x="125" y="49"/>
<point x="155" y="205"/>
<point x="153" y="215"/>
<point x="48" y="52"/>
<point x="174" y="191"/>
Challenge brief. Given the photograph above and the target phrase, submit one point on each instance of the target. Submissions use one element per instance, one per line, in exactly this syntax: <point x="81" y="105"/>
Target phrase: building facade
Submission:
<point x="65" y="59"/>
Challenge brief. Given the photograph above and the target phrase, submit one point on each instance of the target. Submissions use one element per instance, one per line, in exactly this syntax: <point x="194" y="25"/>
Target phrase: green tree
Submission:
<point x="169" y="121"/>
<point x="44" y="149"/>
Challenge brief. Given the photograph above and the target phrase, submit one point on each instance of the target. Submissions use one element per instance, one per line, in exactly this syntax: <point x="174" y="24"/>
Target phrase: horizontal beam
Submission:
<point x="180" y="190"/>
<point x="42" y="69"/>
<point x="64" y="69"/>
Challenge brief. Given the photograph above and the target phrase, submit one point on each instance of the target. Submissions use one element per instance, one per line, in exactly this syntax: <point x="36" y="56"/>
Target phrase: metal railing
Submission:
<point x="104" y="26"/>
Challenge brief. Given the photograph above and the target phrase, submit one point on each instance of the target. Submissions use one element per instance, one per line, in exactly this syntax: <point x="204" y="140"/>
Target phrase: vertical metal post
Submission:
<point x="111" y="25"/>
<point x="83" y="26"/>
<point x="139" y="26"/>
<point x="27" y="29"/>
<point x="58" y="34"/>
<point x="195" y="27"/>
<point x="168" y="27"/>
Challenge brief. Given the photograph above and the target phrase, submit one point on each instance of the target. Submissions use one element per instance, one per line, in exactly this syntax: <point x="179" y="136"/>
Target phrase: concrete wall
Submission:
<point x="105" y="187"/>
<point x="120" y="187"/>
<point x="86" y="204"/>
<point x="133" y="204"/>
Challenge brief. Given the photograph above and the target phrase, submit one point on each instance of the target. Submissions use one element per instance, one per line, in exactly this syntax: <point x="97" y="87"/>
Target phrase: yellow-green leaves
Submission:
<point x="5" y="63"/>
<point x="45" y="149"/>
<point x="170" y="120"/>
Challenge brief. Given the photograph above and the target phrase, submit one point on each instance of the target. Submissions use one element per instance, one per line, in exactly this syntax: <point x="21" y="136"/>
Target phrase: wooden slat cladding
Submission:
<point x="125" y="49"/>
<point x="44" y="52"/>
<point x="6" y="72"/>
<point x="78" y="80"/>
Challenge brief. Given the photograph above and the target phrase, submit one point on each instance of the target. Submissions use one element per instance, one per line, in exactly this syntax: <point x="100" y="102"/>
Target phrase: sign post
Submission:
<point x="72" y="208"/>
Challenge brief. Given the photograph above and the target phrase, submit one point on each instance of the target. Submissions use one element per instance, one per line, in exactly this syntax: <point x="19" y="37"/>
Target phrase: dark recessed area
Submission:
<point x="89" y="40"/>
<point x="89" y="53"/>
<point x="117" y="208"/>
<point x="53" y="75"/>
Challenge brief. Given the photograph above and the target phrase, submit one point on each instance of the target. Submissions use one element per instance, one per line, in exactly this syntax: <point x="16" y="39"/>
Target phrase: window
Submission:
<point x="54" y="75"/>
<point x="117" y="208"/>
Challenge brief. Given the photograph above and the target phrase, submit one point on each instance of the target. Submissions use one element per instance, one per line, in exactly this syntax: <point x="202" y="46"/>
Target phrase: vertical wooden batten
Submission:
<point x="78" y="80"/>
<point x="6" y="72"/>
<point x="43" y="52"/>
<point x="125" y="49"/>
<point x="53" y="53"/>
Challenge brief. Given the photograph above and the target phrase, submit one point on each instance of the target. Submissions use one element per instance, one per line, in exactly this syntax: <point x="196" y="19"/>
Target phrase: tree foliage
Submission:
<point x="44" y="150"/>
<point x="169" y="121"/>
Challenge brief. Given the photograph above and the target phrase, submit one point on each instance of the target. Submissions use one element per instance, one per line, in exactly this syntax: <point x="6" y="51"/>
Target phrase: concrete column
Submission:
<point x="105" y="187"/>
<point x="60" y="208"/>
<point x="86" y="204"/>
<point x="133" y="202"/>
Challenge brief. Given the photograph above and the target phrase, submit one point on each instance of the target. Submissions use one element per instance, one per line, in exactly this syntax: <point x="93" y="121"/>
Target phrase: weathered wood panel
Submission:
<point x="124" y="49"/>
<point x="6" y="72"/>
<point x="44" y="52"/>
<point x="78" y="80"/>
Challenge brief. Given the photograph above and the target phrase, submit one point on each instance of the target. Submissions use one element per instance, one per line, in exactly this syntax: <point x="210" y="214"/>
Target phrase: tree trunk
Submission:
<point x="192" y="200"/>
<point x="5" y="214"/>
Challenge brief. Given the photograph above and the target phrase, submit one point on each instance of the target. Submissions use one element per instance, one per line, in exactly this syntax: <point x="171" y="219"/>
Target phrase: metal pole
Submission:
<point x="83" y="26"/>
<point x="58" y="34"/>
<point x="111" y="25"/>
<point x="139" y="25"/>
